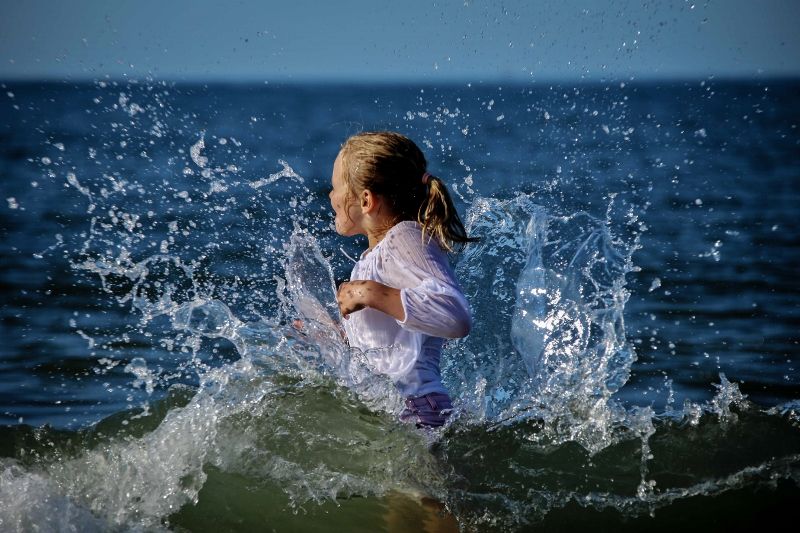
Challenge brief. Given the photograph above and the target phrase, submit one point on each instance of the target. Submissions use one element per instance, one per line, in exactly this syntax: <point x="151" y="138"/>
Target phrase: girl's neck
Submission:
<point x="377" y="233"/>
<point x="378" y="221"/>
<point x="376" y="236"/>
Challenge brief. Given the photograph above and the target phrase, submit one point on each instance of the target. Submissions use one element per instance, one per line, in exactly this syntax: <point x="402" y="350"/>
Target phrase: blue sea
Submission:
<point x="634" y="358"/>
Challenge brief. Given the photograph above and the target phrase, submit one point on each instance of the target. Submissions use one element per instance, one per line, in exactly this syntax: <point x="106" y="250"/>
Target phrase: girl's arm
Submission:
<point x="356" y="295"/>
<point x="431" y="303"/>
<point x="433" y="308"/>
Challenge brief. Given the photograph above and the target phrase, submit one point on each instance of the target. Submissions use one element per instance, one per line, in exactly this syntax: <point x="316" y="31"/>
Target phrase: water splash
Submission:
<point x="239" y="418"/>
<point x="558" y="282"/>
<point x="195" y="152"/>
<point x="285" y="172"/>
<point x="539" y="421"/>
<point x="537" y="406"/>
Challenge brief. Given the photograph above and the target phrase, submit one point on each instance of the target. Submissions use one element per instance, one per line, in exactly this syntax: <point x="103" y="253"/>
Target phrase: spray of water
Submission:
<point x="535" y="383"/>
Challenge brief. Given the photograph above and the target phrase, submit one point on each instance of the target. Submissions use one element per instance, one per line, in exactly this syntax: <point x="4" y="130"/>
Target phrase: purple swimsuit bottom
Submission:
<point x="430" y="410"/>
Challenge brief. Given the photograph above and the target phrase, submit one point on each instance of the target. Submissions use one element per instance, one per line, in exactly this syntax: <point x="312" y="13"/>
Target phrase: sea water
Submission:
<point x="632" y="362"/>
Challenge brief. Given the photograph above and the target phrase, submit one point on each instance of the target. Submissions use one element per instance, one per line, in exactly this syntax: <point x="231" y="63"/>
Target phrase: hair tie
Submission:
<point x="425" y="178"/>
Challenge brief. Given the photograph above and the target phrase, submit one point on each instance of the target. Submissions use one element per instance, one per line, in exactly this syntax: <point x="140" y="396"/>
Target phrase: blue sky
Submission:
<point x="430" y="41"/>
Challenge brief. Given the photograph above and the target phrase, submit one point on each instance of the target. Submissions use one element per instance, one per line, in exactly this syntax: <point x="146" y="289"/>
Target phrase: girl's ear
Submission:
<point x="368" y="201"/>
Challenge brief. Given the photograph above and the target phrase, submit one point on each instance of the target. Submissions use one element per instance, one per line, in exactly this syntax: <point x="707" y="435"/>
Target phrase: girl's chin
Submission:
<point x="344" y="231"/>
<point x="346" y="228"/>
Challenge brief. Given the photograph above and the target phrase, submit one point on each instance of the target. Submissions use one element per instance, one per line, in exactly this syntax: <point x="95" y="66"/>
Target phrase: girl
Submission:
<point x="402" y="299"/>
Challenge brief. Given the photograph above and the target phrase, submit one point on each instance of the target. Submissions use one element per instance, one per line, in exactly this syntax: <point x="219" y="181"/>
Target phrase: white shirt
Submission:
<point x="435" y="309"/>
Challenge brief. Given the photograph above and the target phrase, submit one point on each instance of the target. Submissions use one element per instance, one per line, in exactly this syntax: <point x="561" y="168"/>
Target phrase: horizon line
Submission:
<point x="396" y="81"/>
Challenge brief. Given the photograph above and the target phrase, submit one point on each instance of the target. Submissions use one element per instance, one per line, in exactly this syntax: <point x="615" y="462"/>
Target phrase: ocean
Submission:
<point x="633" y="360"/>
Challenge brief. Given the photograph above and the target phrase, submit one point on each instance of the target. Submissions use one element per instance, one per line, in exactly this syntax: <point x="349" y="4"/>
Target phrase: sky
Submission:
<point x="413" y="40"/>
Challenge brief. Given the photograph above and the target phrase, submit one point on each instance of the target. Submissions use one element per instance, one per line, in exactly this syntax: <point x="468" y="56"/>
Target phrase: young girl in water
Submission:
<point x="402" y="299"/>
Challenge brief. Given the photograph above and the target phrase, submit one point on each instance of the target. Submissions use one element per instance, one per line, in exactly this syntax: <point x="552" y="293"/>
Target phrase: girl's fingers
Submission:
<point x="343" y="308"/>
<point x="348" y="298"/>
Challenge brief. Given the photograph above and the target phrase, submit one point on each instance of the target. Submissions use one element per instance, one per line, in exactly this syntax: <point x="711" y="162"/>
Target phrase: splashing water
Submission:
<point x="143" y="479"/>
<point x="235" y="278"/>
<point x="558" y="282"/>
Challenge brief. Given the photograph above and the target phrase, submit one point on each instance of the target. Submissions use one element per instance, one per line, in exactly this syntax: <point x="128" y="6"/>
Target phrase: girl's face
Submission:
<point x="348" y="213"/>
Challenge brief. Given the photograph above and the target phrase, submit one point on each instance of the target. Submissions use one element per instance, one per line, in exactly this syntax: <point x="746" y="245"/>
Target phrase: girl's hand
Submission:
<point x="356" y="295"/>
<point x="353" y="296"/>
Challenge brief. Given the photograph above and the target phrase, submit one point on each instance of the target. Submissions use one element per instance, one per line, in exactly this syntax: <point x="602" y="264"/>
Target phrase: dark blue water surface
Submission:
<point x="704" y="174"/>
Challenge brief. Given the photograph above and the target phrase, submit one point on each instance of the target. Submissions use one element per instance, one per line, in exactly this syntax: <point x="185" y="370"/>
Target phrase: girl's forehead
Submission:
<point x="338" y="163"/>
<point x="336" y="175"/>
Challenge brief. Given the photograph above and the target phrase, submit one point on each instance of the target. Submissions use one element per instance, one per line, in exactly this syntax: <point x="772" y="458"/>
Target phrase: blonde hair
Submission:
<point x="392" y="166"/>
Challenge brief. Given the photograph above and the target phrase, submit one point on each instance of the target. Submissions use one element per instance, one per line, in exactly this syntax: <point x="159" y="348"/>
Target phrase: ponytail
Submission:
<point x="438" y="216"/>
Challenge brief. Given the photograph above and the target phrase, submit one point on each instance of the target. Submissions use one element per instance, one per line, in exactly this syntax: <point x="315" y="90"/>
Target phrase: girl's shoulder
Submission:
<point x="407" y="237"/>
<point x="403" y="229"/>
<point x="406" y="233"/>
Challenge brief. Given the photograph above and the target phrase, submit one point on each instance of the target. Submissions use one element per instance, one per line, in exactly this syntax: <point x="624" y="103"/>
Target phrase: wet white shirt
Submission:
<point x="435" y="309"/>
